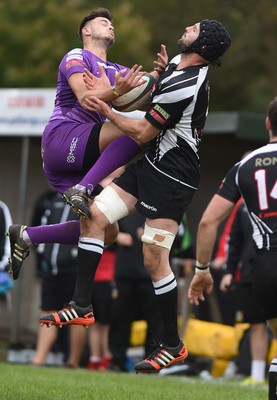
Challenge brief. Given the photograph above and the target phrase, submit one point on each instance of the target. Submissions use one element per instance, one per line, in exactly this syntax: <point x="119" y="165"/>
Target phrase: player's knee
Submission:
<point x="97" y="222"/>
<point x="111" y="205"/>
<point x="111" y="233"/>
<point x="156" y="246"/>
<point x="158" y="237"/>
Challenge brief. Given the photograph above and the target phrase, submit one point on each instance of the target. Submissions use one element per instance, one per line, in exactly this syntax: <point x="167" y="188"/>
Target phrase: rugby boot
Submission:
<point x="19" y="249"/>
<point x="162" y="357"/>
<point x="78" y="200"/>
<point x="71" y="314"/>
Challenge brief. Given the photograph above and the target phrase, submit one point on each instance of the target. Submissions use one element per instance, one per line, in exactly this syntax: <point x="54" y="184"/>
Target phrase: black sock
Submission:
<point x="89" y="255"/>
<point x="272" y="380"/>
<point x="167" y="296"/>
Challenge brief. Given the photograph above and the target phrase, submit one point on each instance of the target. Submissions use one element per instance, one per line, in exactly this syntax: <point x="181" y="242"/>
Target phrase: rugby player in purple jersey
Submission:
<point x="79" y="148"/>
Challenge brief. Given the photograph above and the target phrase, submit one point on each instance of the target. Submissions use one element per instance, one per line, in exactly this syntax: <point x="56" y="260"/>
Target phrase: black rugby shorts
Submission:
<point x="264" y="280"/>
<point x="249" y="307"/>
<point x="158" y="195"/>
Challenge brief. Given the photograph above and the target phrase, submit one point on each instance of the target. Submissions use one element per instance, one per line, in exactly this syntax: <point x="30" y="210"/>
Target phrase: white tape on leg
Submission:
<point x="157" y="237"/>
<point x="111" y="204"/>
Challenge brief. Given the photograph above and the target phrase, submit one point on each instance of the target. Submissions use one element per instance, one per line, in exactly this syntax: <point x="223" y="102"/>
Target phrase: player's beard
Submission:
<point x="109" y="42"/>
<point x="106" y="42"/>
<point x="182" y="44"/>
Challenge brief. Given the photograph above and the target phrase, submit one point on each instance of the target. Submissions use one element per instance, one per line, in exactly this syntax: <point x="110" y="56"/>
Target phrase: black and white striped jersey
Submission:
<point x="5" y="222"/>
<point x="179" y="109"/>
<point x="255" y="178"/>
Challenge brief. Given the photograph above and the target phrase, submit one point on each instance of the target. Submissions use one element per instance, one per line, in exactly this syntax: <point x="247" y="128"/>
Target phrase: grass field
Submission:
<point x="19" y="382"/>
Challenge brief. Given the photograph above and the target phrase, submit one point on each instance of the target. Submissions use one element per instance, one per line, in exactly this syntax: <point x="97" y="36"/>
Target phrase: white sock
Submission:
<point x="95" y="358"/>
<point x="26" y="238"/>
<point x="258" y="370"/>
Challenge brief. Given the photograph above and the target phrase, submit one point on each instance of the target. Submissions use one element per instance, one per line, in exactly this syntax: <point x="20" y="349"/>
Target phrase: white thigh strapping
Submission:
<point x="111" y="204"/>
<point x="157" y="237"/>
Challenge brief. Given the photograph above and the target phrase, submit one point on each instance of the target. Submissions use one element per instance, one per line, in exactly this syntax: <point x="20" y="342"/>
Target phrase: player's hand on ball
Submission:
<point x="94" y="82"/>
<point x="132" y="79"/>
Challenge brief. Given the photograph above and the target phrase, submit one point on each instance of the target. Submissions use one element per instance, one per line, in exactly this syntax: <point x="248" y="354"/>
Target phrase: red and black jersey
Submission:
<point x="255" y="179"/>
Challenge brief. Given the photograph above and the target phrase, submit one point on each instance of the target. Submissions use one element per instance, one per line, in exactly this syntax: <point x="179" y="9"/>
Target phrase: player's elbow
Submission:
<point x="207" y="222"/>
<point x="137" y="134"/>
<point x="141" y="138"/>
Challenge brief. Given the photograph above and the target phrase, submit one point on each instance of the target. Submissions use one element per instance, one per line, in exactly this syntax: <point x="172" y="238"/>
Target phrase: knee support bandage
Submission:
<point x="158" y="237"/>
<point x="111" y="204"/>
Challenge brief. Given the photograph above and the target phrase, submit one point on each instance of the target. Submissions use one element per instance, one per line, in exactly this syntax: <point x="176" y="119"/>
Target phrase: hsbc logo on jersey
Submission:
<point x="159" y="114"/>
<point x="71" y="157"/>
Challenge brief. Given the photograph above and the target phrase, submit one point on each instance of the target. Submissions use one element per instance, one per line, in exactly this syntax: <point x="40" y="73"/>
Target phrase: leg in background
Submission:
<point x="259" y="349"/>
<point x="77" y="341"/>
<point x="45" y="340"/>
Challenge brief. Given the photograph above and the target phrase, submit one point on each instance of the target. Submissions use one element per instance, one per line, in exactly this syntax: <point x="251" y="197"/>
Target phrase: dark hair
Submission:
<point x="98" y="12"/>
<point x="212" y="42"/>
<point x="272" y="115"/>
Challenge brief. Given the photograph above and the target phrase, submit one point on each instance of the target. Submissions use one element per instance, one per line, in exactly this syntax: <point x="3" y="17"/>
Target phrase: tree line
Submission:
<point x="36" y="35"/>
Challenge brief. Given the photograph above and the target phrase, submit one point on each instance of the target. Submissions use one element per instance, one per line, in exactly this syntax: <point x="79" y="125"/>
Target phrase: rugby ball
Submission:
<point x="137" y="97"/>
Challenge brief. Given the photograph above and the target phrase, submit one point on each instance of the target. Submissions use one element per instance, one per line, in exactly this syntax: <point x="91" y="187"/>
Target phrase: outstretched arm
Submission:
<point x="86" y="84"/>
<point x="101" y="87"/>
<point x="139" y="129"/>
<point x="217" y="210"/>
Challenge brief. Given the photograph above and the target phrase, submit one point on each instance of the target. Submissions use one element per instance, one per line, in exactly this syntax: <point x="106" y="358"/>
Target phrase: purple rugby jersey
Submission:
<point x="66" y="134"/>
<point x="67" y="107"/>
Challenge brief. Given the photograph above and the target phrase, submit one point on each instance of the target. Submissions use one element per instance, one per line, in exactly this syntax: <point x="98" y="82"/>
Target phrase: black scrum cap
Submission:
<point x="212" y="42"/>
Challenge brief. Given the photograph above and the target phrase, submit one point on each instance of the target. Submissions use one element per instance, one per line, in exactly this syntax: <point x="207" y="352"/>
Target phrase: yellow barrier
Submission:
<point x="216" y="341"/>
<point x="138" y="333"/>
<point x="272" y="350"/>
<point x="209" y="339"/>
